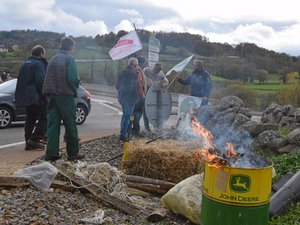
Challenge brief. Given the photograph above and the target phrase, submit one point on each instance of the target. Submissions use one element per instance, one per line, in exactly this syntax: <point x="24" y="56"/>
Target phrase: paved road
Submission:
<point x="104" y="119"/>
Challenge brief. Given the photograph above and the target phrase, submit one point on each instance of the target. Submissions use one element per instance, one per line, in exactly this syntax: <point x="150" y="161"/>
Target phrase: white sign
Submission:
<point x="154" y="48"/>
<point x="153" y="56"/>
<point x="154" y="45"/>
<point x="128" y="44"/>
<point x="180" y="66"/>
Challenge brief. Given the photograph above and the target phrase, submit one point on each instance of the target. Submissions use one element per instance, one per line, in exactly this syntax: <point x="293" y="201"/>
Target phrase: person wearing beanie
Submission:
<point x="61" y="84"/>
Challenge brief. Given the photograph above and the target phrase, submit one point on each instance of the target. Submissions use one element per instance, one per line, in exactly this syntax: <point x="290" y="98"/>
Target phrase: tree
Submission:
<point x="283" y="74"/>
<point x="249" y="70"/>
<point x="261" y="76"/>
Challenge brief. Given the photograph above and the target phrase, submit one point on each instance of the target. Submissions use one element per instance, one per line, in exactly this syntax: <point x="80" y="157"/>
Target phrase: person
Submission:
<point x="155" y="77"/>
<point x="61" y="84"/>
<point x="128" y="96"/>
<point x="199" y="81"/>
<point x="140" y="105"/>
<point x="4" y="76"/>
<point x="28" y="94"/>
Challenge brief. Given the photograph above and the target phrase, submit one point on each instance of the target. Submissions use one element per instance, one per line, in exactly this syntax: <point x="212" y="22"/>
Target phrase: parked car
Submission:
<point x="10" y="113"/>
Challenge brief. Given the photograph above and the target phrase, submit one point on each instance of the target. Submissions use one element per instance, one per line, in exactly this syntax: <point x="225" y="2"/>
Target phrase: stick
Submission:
<point x="158" y="137"/>
<point x="173" y="80"/>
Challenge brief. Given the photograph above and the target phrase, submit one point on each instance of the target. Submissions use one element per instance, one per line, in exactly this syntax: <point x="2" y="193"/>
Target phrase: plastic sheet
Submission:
<point x="185" y="198"/>
<point x="41" y="176"/>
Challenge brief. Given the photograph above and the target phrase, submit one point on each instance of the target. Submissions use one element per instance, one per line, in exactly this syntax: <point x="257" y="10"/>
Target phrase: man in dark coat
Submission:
<point x="199" y="81"/>
<point x="29" y="94"/>
<point x="128" y="95"/>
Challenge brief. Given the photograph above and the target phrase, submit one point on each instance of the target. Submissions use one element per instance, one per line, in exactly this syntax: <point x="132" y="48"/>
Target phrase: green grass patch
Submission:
<point x="266" y="88"/>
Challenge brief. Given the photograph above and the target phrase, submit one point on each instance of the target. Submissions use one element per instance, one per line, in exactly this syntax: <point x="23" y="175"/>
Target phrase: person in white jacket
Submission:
<point x="156" y="77"/>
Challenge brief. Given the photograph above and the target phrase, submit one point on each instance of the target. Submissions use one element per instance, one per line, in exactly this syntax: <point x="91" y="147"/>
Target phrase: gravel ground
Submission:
<point x="28" y="205"/>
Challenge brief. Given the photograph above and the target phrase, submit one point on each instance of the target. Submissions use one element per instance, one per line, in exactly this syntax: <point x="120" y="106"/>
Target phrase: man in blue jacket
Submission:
<point x="29" y="94"/>
<point x="199" y="81"/>
<point x="128" y="95"/>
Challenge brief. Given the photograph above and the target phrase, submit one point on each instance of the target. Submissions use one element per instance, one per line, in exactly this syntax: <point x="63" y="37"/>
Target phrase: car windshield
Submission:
<point x="8" y="87"/>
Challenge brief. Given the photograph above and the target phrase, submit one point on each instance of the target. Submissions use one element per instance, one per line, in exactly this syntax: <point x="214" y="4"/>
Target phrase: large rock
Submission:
<point x="230" y="102"/>
<point x="277" y="143"/>
<point x="267" y="136"/>
<point x="289" y="149"/>
<point x="294" y="137"/>
<point x="255" y="128"/>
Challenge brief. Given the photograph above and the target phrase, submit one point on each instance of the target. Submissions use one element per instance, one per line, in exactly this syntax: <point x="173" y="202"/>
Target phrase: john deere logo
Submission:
<point x="240" y="183"/>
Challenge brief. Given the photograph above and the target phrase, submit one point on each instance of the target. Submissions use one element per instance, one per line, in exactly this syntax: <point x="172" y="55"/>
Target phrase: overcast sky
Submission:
<point x="274" y="25"/>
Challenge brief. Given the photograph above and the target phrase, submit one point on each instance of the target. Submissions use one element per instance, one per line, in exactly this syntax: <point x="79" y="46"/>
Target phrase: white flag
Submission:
<point x="180" y="66"/>
<point x="128" y="44"/>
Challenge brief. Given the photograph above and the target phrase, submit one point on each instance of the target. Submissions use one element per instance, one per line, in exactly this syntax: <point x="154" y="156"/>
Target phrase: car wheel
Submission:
<point x="5" y="117"/>
<point x="81" y="114"/>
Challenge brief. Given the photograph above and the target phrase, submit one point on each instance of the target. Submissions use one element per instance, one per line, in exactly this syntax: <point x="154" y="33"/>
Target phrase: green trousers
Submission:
<point x="61" y="108"/>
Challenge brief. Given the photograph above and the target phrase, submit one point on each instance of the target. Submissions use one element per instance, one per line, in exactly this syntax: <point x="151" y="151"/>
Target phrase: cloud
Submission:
<point x="123" y="25"/>
<point x="285" y="40"/>
<point x="131" y="12"/>
<point x="166" y="26"/>
<point x="45" y="15"/>
<point x="267" y="24"/>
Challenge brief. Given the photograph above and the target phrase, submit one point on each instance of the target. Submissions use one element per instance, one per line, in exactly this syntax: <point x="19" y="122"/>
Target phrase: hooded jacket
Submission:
<point x="30" y="82"/>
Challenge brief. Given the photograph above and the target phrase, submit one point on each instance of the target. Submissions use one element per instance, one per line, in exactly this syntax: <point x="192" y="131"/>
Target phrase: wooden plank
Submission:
<point x="152" y="188"/>
<point x="146" y="180"/>
<point x="13" y="181"/>
<point x="101" y="195"/>
<point x="138" y="192"/>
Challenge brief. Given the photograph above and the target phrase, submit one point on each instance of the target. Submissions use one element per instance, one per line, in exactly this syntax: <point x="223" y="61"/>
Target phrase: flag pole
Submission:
<point x="173" y="80"/>
<point x="133" y="25"/>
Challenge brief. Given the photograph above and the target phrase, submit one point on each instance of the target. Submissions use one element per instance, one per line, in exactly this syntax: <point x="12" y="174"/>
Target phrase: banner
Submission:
<point x="128" y="44"/>
<point x="154" y="48"/>
<point x="180" y="66"/>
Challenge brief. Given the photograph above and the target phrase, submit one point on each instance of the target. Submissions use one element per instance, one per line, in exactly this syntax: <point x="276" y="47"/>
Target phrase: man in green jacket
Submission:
<point x="61" y="84"/>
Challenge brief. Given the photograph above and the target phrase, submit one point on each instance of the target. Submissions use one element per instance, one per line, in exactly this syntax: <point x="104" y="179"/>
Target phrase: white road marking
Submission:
<point x="11" y="145"/>
<point x="105" y="103"/>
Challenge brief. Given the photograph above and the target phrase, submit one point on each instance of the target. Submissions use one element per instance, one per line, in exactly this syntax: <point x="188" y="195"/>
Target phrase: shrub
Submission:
<point x="248" y="96"/>
<point x="289" y="95"/>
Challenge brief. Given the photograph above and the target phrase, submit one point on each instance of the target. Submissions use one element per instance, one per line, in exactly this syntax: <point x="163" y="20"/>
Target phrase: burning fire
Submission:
<point x="210" y="153"/>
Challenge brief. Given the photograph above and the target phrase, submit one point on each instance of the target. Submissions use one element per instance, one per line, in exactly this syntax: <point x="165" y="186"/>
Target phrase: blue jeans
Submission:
<point x="127" y="109"/>
<point x="137" y="113"/>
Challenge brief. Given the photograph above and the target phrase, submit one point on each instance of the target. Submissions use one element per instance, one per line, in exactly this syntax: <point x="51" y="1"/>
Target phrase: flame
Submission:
<point x="230" y="150"/>
<point x="203" y="132"/>
<point x="209" y="153"/>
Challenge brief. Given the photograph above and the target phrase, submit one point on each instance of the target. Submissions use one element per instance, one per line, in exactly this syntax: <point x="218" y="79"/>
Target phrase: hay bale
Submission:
<point x="168" y="160"/>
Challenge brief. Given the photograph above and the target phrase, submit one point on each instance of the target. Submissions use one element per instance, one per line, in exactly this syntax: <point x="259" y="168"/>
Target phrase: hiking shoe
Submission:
<point x="34" y="145"/>
<point x="52" y="158"/>
<point x="76" y="157"/>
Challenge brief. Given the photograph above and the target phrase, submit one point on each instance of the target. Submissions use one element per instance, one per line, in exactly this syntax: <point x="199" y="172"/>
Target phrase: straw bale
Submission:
<point x="168" y="160"/>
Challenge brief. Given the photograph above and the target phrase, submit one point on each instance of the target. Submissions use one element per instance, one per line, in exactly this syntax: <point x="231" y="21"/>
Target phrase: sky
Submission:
<point x="274" y="25"/>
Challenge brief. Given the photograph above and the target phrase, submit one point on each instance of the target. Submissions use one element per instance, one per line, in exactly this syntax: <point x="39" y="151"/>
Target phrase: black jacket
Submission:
<point x="30" y="82"/>
<point x="127" y="86"/>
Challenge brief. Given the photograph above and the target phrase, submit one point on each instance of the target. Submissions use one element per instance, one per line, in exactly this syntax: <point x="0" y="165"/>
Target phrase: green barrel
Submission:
<point x="236" y="196"/>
